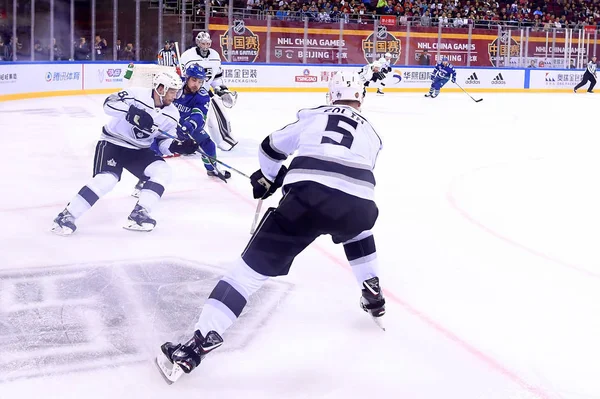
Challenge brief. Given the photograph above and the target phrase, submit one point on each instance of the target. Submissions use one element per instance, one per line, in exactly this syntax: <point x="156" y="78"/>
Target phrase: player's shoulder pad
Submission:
<point x="212" y="55"/>
<point x="450" y="66"/>
<point x="306" y="111"/>
<point x="172" y="112"/>
<point x="203" y="92"/>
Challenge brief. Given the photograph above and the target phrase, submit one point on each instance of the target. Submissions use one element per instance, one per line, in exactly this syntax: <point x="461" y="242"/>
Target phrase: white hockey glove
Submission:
<point x="228" y="97"/>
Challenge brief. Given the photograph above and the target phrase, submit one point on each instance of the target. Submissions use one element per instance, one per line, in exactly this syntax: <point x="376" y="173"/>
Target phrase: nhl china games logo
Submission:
<point x="500" y="47"/>
<point x="386" y="43"/>
<point x="245" y="44"/>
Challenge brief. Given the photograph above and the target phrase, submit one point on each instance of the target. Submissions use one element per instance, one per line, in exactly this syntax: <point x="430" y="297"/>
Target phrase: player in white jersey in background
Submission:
<point x="370" y="73"/>
<point x="137" y="115"/>
<point x="327" y="189"/>
<point x="217" y="121"/>
<point x="385" y="63"/>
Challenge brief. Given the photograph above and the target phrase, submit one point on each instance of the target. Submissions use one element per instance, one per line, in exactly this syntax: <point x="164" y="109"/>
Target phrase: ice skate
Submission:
<point x="138" y="189"/>
<point x="218" y="174"/>
<point x="372" y="300"/>
<point x="64" y="224"/>
<point x="379" y="91"/>
<point x="139" y="220"/>
<point x="177" y="359"/>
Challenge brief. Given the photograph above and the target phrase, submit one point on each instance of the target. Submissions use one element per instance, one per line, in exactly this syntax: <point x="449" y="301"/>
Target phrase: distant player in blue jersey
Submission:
<point x="442" y="73"/>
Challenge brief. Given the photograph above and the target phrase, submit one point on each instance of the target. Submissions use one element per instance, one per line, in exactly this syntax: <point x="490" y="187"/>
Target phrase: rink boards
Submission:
<point x="29" y="80"/>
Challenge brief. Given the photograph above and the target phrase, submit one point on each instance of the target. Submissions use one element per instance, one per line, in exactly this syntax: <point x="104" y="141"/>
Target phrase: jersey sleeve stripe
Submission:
<point x="270" y="151"/>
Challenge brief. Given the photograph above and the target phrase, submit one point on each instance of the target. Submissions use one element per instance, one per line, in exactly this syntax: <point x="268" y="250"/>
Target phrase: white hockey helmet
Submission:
<point x="388" y="56"/>
<point x="203" y="40"/>
<point x="347" y="86"/>
<point x="168" y="79"/>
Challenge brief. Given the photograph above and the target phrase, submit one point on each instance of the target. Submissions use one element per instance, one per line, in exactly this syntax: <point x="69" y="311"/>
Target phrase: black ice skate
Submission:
<point x="64" y="224"/>
<point x="180" y="359"/>
<point x="139" y="220"/>
<point x="138" y="189"/>
<point x="379" y="91"/>
<point x="372" y="300"/>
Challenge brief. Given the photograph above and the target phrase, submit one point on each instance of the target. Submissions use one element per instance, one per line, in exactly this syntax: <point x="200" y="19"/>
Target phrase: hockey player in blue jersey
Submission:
<point x="442" y="73"/>
<point x="193" y="107"/>
<point x="193" y="103"/>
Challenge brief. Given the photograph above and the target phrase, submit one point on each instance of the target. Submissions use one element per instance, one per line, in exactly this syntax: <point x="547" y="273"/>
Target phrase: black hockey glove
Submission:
<point x="188" y="146"/>
<point x="262" y="187"/>
<point x="220" y="90"/>
<point x="139" y="118"/>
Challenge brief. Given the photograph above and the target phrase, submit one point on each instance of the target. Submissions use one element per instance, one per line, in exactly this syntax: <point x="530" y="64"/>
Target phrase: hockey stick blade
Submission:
<point x="478" y="101"/>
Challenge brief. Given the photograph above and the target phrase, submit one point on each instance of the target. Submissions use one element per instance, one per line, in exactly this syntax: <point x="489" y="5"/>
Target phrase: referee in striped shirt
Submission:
<point x="588" y="76"/>
<point x="167" y="55"/>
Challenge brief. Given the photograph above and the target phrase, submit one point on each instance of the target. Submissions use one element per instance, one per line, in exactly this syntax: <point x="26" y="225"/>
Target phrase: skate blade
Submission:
<point x="379" y="322"/>
<point x="170" y="372"/>
<point x="136" y="194"/>
<point x="144" y="227"/>
<point x="61" y="231"/>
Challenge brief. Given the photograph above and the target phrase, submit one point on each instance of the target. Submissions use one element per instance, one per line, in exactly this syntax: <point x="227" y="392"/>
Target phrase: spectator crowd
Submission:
<point x="538" y="14"/>
<point x="82" y="50"/>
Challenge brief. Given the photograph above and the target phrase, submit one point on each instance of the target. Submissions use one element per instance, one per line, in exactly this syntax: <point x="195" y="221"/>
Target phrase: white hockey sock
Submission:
<point x="362" y="256"/>
<point x="149" y="198"/>
<point x="228" y="298"/>
<point x="160" y="175"/>
<point x="99" y="186"/>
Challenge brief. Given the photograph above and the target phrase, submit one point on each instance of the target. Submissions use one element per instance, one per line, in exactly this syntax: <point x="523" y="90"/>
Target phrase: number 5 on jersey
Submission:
<point x="339" y="124"/>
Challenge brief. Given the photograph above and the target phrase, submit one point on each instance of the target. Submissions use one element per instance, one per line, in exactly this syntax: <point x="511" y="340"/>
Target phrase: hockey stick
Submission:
<point x="256" y="215"/>
<point x="477" y="101"/>
<point x="178" y="58"/>
<point x="199" y="150"/>
<point x="260" y="201"/>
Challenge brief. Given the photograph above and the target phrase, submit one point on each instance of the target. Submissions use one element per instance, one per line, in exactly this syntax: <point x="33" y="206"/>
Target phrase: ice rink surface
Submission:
<point x="487" y="239"/>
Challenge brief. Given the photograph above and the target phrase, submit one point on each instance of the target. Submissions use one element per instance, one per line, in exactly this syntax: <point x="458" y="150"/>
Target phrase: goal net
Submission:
<point x="142" y="74"/>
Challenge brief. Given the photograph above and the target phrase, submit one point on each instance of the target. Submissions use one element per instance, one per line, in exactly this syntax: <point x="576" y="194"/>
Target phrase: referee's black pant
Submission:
<point x="587" y="77"/>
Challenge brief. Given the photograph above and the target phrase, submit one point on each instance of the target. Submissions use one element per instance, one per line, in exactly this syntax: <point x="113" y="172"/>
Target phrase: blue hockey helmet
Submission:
<point x="195" y="71"/>
<point x="445" y="59"/>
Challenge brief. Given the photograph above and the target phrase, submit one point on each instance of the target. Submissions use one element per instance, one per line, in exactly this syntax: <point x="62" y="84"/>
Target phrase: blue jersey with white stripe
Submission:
<point x="442" y="71"/>
<point x="335" y="146"/>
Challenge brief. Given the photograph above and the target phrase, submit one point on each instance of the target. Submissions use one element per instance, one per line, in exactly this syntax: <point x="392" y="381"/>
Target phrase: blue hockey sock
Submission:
<point x="209" y="148"/>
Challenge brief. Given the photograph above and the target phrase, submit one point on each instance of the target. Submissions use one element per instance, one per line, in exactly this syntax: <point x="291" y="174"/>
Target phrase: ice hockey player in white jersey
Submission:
<point x="218" y="123"/>
<point x="371" y="73"/>
<point x="137" y="116"/>
<point x="327" y="189"/>
<point x="385" y="63"/>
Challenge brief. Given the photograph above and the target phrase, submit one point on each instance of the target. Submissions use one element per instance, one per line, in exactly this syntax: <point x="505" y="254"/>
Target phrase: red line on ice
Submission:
<point x="486" y="359"/>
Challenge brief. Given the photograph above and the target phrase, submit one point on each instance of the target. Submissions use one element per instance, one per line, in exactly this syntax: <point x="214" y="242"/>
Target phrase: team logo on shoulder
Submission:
<point x="111" y="162"/>
<point x="245" y="44"/>
<point x="386" y="43"/>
